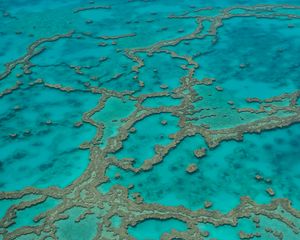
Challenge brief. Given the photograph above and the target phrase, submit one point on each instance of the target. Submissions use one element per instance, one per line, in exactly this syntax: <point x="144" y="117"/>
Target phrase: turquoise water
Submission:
<point x="264" y="45"/>
<point x="153" y="130"/>
<point x="83" y="228"/>
<point x="153" y="228"/>
<point x="149" y="119"/>
<point x="44" y="125"/>
<point x="234" y="170"/>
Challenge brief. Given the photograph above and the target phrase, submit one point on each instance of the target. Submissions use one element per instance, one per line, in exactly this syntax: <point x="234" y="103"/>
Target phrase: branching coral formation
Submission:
<point x="83" y="193"/>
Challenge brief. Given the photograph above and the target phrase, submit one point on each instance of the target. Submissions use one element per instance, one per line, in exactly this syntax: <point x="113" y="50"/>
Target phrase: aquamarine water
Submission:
<point x="149" y="119"/>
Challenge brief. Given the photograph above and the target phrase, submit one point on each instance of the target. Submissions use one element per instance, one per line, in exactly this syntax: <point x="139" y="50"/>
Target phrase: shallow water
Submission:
<point x="149" y="119"/>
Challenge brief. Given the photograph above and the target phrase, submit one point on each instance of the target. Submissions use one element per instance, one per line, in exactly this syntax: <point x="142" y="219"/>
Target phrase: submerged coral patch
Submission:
<point x="149" y="120"/>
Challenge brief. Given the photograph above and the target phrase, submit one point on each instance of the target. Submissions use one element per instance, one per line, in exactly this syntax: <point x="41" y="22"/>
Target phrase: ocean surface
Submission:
<point x="154" y="119"/>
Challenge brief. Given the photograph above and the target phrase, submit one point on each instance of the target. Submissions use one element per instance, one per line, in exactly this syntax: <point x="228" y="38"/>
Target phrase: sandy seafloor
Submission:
<point x="150" y="119"/>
